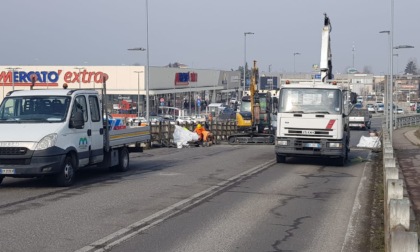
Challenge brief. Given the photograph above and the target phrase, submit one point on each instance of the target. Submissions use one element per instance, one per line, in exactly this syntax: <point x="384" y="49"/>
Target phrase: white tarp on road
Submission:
<point x="183" y="136"/>
<point x="369" y="142"/>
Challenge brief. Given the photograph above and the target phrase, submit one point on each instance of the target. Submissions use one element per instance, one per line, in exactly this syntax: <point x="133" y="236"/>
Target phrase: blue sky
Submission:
<point x="207" y="34"/>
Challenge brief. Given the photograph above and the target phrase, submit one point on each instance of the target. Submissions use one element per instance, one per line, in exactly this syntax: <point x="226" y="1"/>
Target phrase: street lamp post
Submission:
<point x="294" y="61"/>
<point x="391" y="35"/>
<point x="147" y="59"/>
<point x="138" y="92"/>
<point x="396" y="55"/>
<point x="13" y="75"/>
<point x="388" y="86"/>
<point x="398" y="47"/>
<point x="138" y="87"/>
<point x="245" y="33"/>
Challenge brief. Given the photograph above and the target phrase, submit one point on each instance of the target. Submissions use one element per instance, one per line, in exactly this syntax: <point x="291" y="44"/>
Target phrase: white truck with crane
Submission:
<point x="312" y="119"/>
<point x="55" y="132"/>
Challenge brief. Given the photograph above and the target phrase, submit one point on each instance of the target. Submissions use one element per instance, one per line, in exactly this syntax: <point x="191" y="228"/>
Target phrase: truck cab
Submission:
<point x="312" y="121"/>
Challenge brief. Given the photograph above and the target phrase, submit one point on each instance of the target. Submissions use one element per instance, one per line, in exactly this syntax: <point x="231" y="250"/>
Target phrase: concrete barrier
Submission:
<point x="402" y="241"/>
<point x="390" y="162"/>
<point x="399" y="213"/>
<point x="396" y="207"/>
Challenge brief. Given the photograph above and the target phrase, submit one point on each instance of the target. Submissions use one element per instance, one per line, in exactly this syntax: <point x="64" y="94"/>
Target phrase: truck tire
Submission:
<point x="66" y="175"/>
<point x="280" y="158"/>
<point x="123" y="160"/>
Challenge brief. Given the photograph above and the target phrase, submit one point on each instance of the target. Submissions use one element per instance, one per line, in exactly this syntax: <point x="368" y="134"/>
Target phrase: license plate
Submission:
<point x="308" y="132"/>
<point x="7" y="171"/>
<point x="312" y="145"/>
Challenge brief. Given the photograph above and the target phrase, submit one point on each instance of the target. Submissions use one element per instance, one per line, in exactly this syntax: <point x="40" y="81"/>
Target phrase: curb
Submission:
<point x="412" y="137"/>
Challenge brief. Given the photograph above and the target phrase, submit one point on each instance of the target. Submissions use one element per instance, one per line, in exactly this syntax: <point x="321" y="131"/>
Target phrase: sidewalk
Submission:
<point x="407" y="149"/>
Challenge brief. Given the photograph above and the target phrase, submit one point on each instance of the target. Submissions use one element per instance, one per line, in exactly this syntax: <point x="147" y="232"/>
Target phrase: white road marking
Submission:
<point x="126" y="233"/>
<point x="351" y="228"/>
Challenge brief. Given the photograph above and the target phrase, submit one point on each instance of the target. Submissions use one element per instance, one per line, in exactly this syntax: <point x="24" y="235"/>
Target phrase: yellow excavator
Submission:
<point x="253" y="120"/>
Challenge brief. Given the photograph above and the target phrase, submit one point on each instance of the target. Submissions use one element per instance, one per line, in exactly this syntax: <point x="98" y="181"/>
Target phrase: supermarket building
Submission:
<point x="184" y="88"/>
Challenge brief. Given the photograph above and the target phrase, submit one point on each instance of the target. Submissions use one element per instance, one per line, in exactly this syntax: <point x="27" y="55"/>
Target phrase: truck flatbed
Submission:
<point x="129" y="135"/>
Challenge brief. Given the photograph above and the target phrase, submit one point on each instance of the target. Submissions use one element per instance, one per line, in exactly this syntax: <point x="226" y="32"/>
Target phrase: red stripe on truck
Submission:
<point x="330" y="124"/>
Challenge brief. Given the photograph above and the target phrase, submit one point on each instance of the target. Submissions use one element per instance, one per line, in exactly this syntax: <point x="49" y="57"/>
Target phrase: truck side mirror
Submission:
<point x="77" y="121"/>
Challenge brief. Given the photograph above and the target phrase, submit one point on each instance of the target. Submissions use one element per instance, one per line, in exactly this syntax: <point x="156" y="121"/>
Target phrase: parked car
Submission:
<point x="379" y="103"/>
<point x="137" y="120"/>
<point x="380" y="108"/>
<point x="199" y="118"/>
<point x="358" y="106"/>
<point x="227" y="114"/>
<point x="155" y="119"/>
<point x="399" y="111"/>
<point x="371" y="108"/>
<point x="184" y="119"/>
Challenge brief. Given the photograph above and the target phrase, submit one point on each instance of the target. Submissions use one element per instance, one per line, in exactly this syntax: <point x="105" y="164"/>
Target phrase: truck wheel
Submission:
<point x="280" y="158"/>
<point x="66" y="175"/>
<point x="123" y="160"/>
<point x="271" y="139"/>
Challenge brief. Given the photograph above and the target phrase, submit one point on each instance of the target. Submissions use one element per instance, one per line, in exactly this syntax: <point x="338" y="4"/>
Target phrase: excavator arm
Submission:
<point x="253" y="88"/>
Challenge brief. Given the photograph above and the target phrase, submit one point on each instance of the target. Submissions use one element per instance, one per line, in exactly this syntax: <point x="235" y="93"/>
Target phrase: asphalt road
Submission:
<point x="221" y="198"/>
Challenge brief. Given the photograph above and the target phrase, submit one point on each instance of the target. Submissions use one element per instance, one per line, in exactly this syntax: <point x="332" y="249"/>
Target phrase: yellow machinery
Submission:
<point x="250" y="126"/>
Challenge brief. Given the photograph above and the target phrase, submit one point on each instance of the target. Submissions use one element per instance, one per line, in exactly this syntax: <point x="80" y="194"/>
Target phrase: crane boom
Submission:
<point x="326" y="56"/>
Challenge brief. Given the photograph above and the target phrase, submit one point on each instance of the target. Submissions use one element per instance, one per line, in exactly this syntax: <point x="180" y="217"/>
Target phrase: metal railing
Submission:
<point x="407" y="120"/>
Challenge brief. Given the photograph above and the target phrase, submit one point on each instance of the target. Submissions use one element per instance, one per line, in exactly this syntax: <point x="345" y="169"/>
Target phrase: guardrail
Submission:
<point x="397" y="222"/>
<point x="407" y="120"/>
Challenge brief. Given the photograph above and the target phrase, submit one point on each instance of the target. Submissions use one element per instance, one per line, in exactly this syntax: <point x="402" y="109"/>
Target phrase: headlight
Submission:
<point x="46" y="142"/>
<point x="282" y="142"/>
<point x="335" y="145"/>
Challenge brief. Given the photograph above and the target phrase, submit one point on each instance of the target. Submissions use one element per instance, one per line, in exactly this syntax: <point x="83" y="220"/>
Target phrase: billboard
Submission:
<point x="268" y="83"/>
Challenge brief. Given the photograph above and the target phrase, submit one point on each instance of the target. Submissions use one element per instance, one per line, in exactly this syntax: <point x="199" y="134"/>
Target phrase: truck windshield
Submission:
<point x="310" y="100"/>
<point x="33" y="109"/>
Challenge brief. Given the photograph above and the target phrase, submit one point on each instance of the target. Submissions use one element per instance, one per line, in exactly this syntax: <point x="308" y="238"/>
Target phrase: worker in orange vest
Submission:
<point x="203" y="134"/>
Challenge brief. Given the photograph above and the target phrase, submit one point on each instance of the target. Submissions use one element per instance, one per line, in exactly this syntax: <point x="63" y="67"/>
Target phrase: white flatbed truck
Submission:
<point x="56" y="132"/>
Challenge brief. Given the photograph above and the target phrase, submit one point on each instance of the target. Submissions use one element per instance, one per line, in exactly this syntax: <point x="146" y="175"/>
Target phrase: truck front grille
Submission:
<point x="9" y="161"/>
<point x="308" y="132"/>
<point x="13" y="150"/>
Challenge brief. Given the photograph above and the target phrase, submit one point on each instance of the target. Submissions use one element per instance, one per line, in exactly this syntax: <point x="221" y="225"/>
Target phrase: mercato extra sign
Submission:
<point x="50" y="78"/>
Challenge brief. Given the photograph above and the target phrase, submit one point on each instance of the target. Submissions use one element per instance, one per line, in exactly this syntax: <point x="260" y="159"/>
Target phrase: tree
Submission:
<point x="411" y="67"/>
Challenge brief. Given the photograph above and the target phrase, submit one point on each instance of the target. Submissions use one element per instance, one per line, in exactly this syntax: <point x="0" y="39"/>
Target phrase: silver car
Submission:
<point x="380" y="108"/>
<point x="371" y="108"/>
